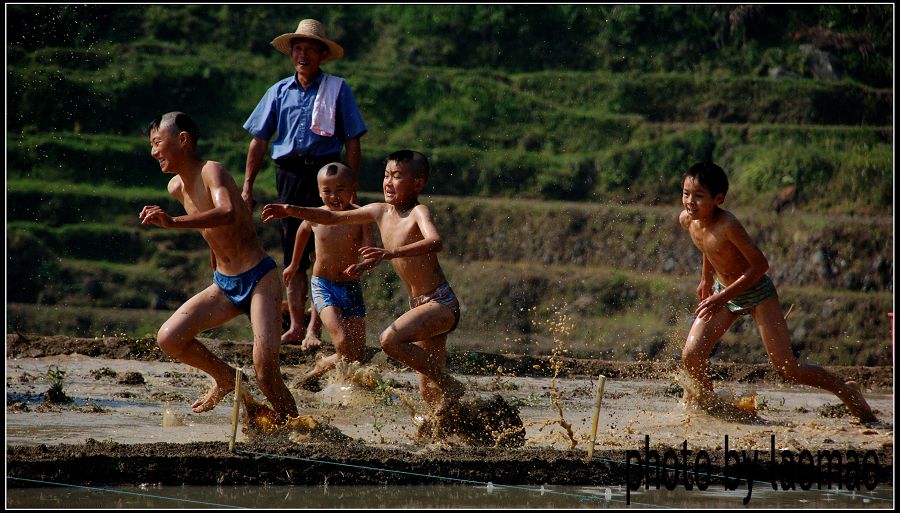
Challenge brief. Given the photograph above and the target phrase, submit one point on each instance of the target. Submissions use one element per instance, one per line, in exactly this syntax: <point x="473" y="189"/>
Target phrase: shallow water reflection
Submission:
<point x="434" y="497"/>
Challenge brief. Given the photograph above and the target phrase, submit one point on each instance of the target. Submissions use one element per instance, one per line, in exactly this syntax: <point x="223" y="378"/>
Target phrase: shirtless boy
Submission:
<point x="244" y="278"/>
<point x="336" y="290"/>
<point x="733" y="282"/>
<point x="417" y="338"/>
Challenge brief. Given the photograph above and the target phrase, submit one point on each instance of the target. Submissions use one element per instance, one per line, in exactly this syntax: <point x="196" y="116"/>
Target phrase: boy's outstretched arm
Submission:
<point x="366" y="214"/>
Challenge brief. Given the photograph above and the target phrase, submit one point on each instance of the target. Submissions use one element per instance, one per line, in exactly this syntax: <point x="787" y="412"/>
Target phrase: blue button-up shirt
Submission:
<point x="286" y="110"/>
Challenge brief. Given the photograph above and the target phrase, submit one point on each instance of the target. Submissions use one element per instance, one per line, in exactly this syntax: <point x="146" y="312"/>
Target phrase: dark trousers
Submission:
<point x="295" y="181"/>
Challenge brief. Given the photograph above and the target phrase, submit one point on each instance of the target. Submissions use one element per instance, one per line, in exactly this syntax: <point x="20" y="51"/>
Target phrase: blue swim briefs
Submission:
<point x="239" y="288"/>
<point x="346" y="295"/>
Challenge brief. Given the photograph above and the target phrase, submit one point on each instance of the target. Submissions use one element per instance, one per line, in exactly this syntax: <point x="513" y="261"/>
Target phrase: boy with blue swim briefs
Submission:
<point x="733" y="282"/>
<point x="244" y="281"/>
<point x="417" y="338"/>
<point x="336" y="290"/>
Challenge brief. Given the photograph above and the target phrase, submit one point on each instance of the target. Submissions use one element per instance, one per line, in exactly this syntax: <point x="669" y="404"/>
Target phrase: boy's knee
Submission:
<point x="388" y="342"/>
<point x="168" y="342"/>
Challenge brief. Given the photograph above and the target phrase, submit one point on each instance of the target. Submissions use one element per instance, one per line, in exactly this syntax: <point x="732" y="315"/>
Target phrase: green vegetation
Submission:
<point x="56" y="394"/>
<point x="565" y="152"/>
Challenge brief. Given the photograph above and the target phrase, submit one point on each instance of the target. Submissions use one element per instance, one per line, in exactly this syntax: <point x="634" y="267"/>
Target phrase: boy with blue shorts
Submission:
<point x="418" y="338"/>
<point x="335" y="287"/>
<point x="244" y="281"/>
<point x="733" y="282"/>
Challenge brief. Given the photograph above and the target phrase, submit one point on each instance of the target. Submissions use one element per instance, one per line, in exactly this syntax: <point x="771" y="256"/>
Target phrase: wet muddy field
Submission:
<point x="123" y="417"/>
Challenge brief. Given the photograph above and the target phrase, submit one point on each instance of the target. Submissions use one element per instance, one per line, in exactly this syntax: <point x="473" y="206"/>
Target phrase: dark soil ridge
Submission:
<point x="210" y="463"/>
<point x="468" y="362"/>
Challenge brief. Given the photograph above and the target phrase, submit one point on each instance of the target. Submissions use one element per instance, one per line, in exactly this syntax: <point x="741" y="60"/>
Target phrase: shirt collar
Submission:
<point x="316" y="81"/>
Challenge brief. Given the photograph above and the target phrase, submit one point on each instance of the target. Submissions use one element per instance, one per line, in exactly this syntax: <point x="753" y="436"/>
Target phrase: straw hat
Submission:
<point x="309" y="29"/>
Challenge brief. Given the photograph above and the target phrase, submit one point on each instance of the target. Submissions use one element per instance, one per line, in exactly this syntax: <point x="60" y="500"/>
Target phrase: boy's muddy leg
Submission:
<point x="774" y="332"/>
<point x="266" y="323"/>
<point x="176" y="337"/>
<point x="702" y="337"/>
<point x="418" y="339"/>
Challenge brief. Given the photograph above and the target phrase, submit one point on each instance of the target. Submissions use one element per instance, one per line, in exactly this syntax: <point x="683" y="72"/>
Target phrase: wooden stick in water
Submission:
<point x="237" y="408"/>
<point x="599" y="399"/>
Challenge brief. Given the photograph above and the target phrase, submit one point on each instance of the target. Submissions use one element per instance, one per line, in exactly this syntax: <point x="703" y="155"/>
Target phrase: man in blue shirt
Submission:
<point x="311" y="115"/>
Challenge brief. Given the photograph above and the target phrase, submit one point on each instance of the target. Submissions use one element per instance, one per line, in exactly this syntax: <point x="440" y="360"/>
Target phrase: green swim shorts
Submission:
<point x="742" y="303"/>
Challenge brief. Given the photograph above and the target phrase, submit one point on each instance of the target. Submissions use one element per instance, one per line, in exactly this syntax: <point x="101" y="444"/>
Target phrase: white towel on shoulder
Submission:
<point x="325" y="107"/>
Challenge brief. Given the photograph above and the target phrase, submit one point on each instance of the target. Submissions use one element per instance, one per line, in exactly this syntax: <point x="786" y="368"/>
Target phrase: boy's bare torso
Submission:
<point x="713" y="239"/>
<point x="236" y="246"/>
<point x="337" y="248"/>
<point x="421" y="274"/>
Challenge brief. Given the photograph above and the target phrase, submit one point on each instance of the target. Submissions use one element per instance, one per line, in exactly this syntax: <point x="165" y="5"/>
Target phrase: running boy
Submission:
<point x="244" y="281"/>
<point x="733" y="282"/>
<point x="418" y="337"/>
<point x="336" y="290"/>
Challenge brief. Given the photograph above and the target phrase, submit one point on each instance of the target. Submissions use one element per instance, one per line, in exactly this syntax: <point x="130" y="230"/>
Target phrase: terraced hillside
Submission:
<point x="556" y="189"/>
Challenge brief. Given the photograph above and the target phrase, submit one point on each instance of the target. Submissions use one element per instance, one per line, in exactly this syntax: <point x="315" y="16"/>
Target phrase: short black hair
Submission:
<point x="181" y="121"/>
<point x="708" y="175"/>
<point x="334" y="168"/>
<point x="417" y="162"/>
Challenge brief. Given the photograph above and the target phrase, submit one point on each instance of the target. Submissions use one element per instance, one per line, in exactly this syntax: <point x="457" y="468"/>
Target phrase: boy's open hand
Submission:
<point x="704" y="290"/>
<point x="274" y="211"/>
<point x="289" y="273"/>
<point x="375" y="254"/>
<point x="356" y="270"/>
<point x="710" y="306"/>
<point x="154" y="214"/>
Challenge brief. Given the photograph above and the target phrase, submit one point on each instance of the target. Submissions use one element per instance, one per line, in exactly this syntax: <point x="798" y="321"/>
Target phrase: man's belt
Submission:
<point x="297" y="163"/>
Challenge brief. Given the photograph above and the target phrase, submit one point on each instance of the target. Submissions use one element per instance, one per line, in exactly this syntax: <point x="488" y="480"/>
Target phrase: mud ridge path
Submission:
<point x="468" y="362"/>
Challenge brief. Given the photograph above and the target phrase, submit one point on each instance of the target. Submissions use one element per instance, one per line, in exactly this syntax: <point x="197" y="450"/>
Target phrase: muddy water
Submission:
<point x="435" y="497"/>
<point x="105" y="409"/>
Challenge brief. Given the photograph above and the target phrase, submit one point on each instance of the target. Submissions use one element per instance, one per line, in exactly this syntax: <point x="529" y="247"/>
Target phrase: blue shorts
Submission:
<point x="346" y="295"/>
<point x="240" y="288"/>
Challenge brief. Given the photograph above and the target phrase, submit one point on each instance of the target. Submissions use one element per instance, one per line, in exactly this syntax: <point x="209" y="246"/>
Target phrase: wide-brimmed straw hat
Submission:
<point x="309" y="29"/>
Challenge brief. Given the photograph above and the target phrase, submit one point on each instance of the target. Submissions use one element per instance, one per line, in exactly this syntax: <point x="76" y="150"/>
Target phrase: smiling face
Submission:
<point x="166" y="147"/>
<point x="307" y="54"/>
<point x="336" y="190"/>
<point x="697" y="200"/>
<point x="399" y="184"/>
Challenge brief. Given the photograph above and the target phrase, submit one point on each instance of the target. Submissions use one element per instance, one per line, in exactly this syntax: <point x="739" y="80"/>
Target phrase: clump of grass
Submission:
<point x="674" y="390"/>
<point x="55" y="394"/>
<point x="103" y="372"/>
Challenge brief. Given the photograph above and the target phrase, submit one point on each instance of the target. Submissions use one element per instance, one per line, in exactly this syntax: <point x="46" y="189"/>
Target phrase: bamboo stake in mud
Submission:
<point x="600" y="387"/>
<point x="237" y="408"/>
<point x="790" y="309"/>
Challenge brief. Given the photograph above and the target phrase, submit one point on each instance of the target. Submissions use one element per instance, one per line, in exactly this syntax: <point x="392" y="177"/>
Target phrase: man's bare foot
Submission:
<point x="293" y="335"/>
<point x="311" y="342"/>
<point x="211" y="398"/>
<point x="858" y="405"/>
